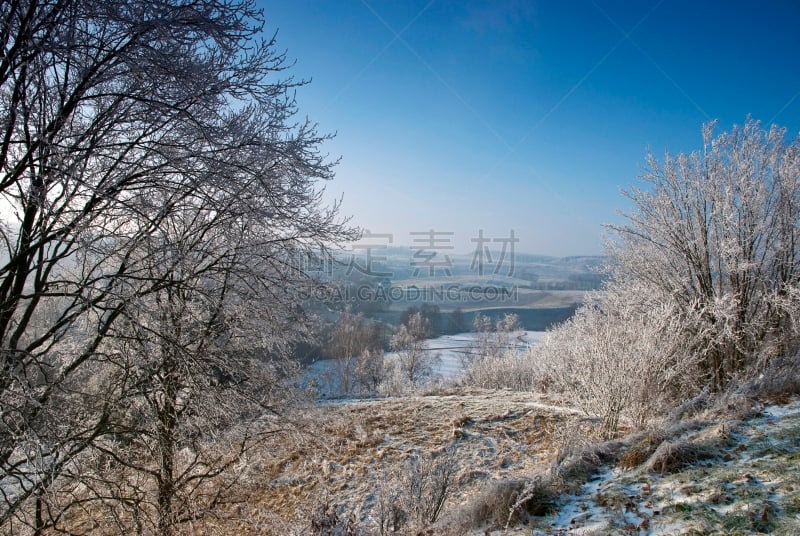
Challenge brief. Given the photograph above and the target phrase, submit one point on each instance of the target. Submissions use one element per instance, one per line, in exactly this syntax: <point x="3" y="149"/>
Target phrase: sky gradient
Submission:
<point x="531" y="116"/>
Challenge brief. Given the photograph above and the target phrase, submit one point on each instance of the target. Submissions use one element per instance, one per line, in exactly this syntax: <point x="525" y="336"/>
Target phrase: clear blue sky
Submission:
<point x="498" y="115"/>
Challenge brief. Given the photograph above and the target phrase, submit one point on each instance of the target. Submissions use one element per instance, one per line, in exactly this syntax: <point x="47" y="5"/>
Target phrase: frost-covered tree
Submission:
<point x="370" y="370"/>
<point x="352" y="341"/>
<point x="155" y="195"/>
<point x="414" y="360"/>
<point x="493" y="347"/>
<point x="619" y="357"/>
<point x="494" y="340"/>
<point x="715" y="233"/>
<point x="703" y="284"/>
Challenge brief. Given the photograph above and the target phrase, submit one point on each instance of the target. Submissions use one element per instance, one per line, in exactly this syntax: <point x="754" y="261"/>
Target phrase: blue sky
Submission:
<point x="531" y="116"/>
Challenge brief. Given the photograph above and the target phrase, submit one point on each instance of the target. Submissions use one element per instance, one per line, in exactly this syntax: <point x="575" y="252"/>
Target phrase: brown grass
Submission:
<point x="505" y="502"/>
<point x="643" y="446"/>
<point x="673" y="456"/>
<point x="575" y="466"/>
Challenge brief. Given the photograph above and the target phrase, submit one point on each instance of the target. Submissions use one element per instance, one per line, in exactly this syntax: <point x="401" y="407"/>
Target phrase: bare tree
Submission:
<point x="716" y="234"/>
<point x="428" y="483"/>
<point x="413" y="498"/>
<point x="370" y="370"/>
<point x="155" y="195"/>
<point x="493" y="347"/>
<point x="494" y="340"/>
<point x="351" y="341"/>
<point x="430" y="312"/>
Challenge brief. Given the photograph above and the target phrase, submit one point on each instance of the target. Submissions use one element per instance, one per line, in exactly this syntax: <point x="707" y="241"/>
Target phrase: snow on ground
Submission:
<point x="452" y="349"/>
<point x="750" y="486"/>
<point x="359" y="446"/>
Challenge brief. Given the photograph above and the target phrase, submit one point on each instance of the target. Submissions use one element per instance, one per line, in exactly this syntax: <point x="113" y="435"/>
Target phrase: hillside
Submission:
<point x="730" y="469"/>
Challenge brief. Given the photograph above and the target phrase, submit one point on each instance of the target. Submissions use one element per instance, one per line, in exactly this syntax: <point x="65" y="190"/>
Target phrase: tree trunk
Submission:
<point x="166" y="445"/>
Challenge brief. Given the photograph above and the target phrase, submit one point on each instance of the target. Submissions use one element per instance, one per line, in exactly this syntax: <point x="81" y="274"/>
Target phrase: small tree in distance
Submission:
<point x="457" y="322"/>
<point x="493" y="340"/>
<point x="370" y="370"/>
<point x="352" y="342"/>
<point x="415" y="361"/>
<point x="486" y="364"/>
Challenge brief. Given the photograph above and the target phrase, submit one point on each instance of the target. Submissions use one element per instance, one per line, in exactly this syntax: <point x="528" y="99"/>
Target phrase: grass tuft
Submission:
<point x="641" y="449"/>
<point x="673" y="456"/>
<point x="506" y="502"/>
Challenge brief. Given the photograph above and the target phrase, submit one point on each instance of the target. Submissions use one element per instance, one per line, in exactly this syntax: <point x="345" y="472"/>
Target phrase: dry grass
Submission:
<point x="673" y="456"/>
<point x="519" y="461"/>
<point x="575" y="466"/>
<point x="642" y="447"/>
<point x="575" y="461"/>
<point x="505" y="502"/>
<point x="345" y="452"/>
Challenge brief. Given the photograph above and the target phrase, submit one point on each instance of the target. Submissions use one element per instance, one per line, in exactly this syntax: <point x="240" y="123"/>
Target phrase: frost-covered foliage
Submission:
<point x="618" y="357"/>
<point x="494" y="360"/>
<point x="495" y="339"/>
<point x="704" y="280"/>
<point x="703" y="286"/>
<point x="357" y="347"/>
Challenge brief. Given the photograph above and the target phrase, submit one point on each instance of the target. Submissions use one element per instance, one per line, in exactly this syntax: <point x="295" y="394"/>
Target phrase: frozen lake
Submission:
<point x="450" y="349"/>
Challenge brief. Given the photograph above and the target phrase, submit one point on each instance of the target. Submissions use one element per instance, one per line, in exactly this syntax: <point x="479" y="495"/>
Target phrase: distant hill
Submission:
<point x="405" y="265"/>
<point x="384" y="282"/>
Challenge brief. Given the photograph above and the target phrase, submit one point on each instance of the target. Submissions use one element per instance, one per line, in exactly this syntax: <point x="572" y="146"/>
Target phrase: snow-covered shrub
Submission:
<point x="494" y="362"/>
<point x="714" y="235"/>
<point x="619" y="357"/>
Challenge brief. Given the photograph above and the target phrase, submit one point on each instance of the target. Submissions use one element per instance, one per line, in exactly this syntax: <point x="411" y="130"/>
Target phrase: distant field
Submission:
<point x="542" y="290"/>
<point x="450" y="296"/>
<point x="531" y="318"/>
